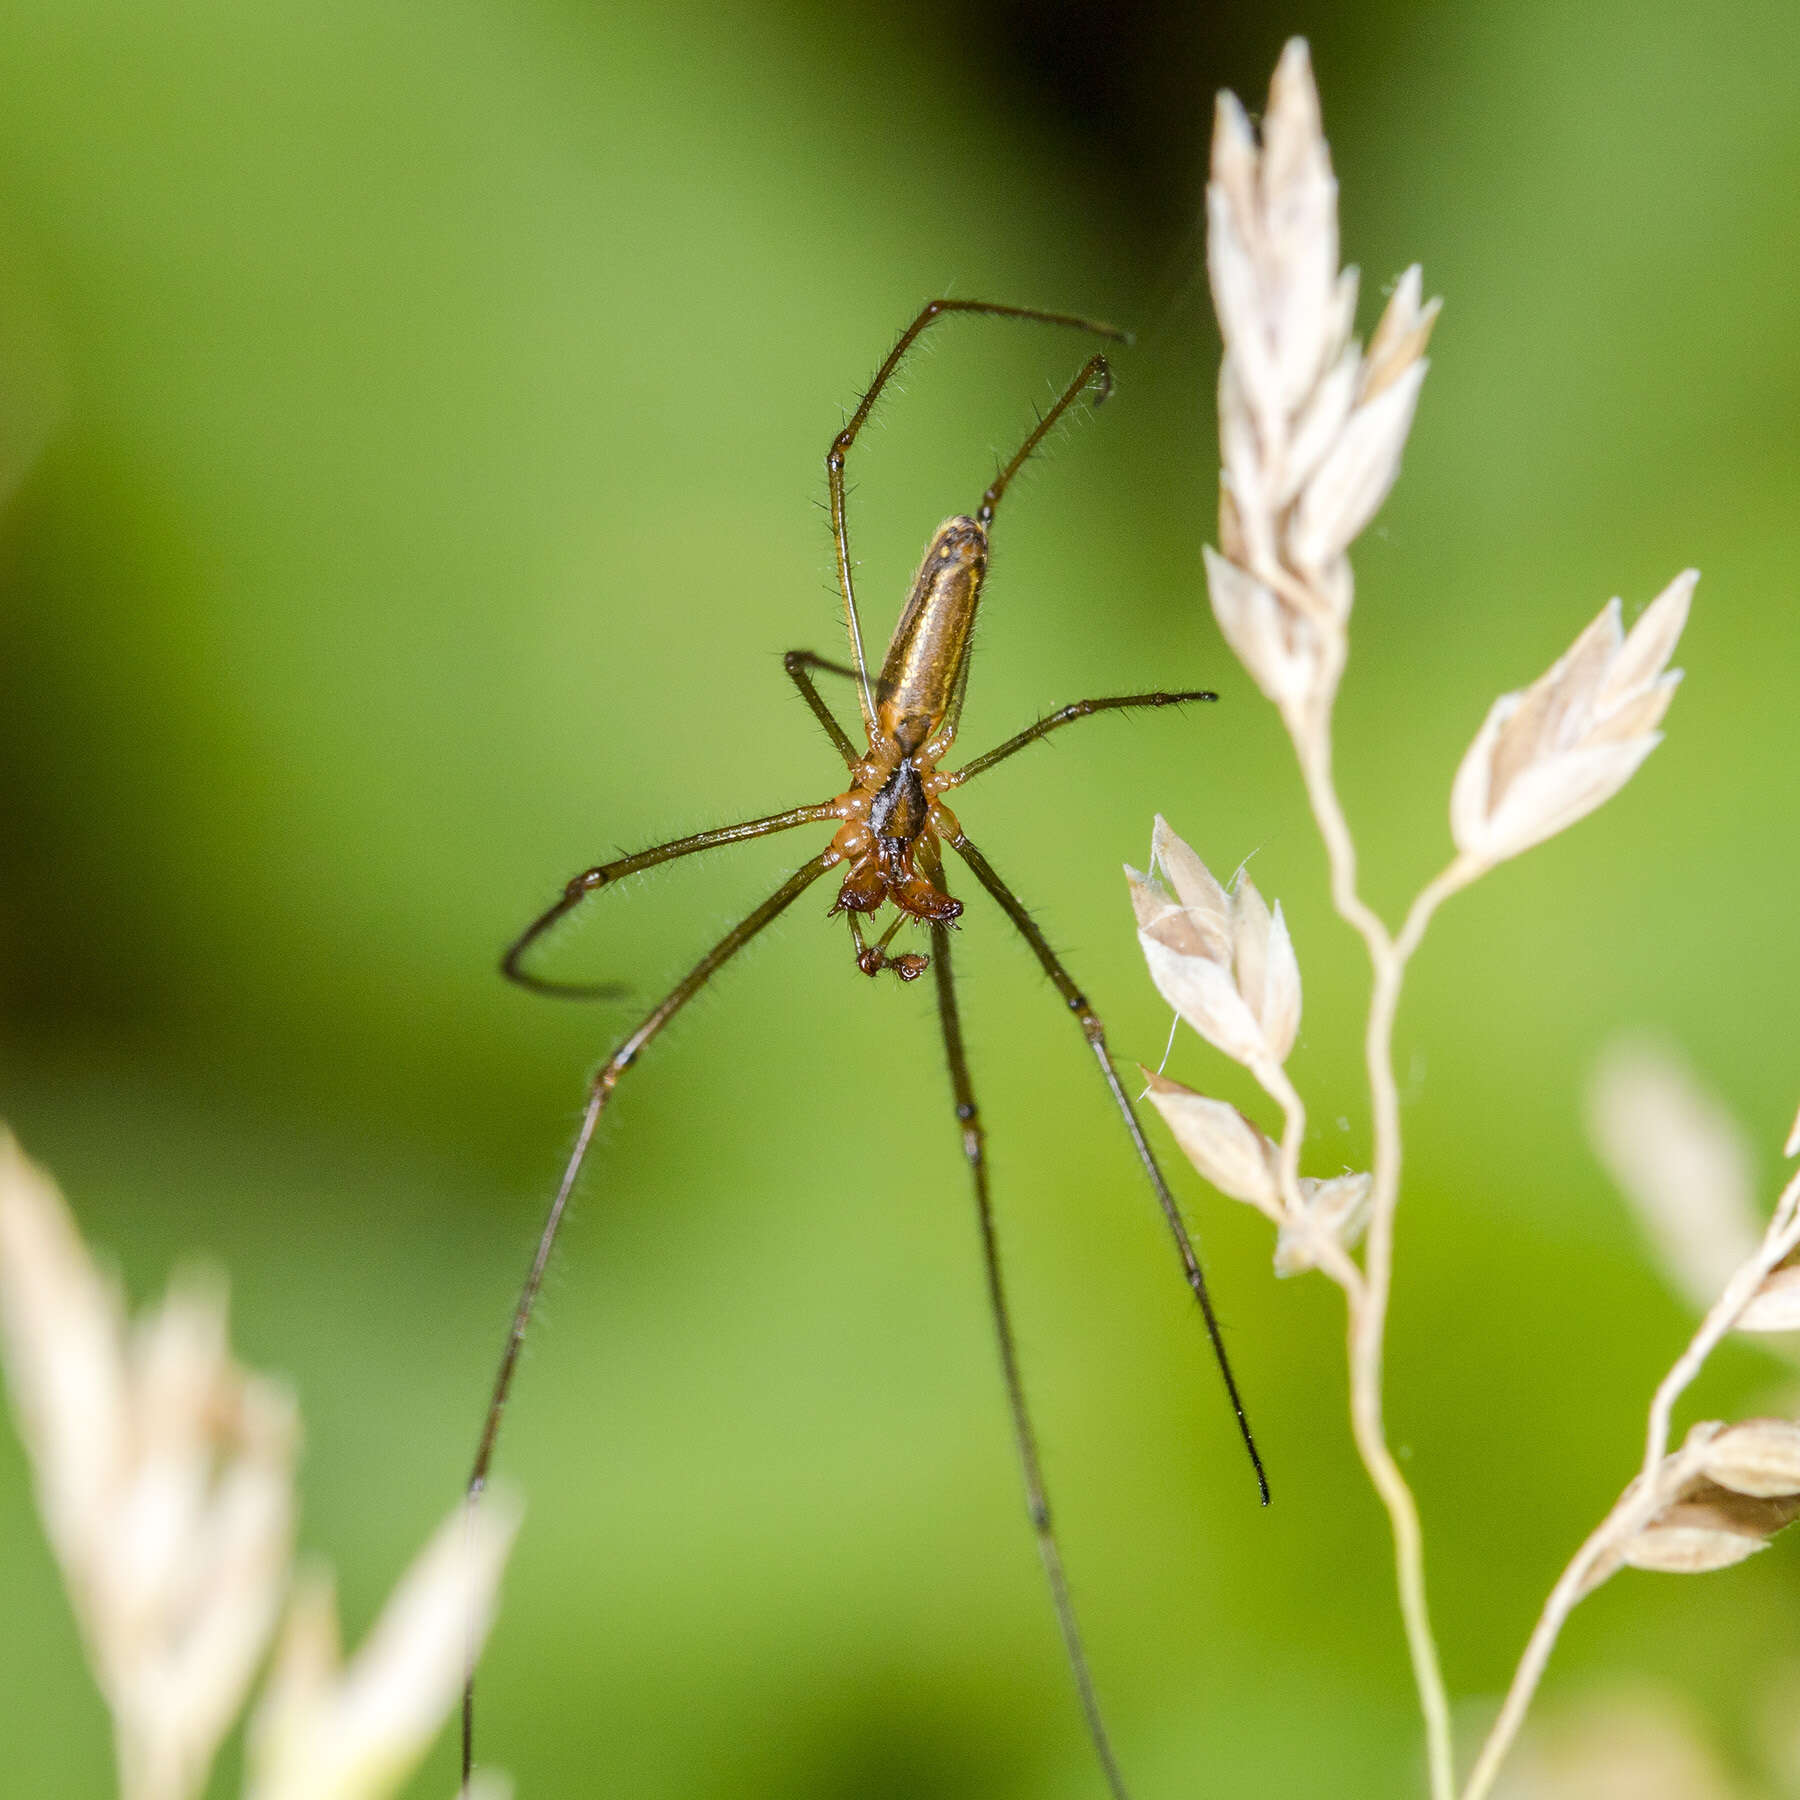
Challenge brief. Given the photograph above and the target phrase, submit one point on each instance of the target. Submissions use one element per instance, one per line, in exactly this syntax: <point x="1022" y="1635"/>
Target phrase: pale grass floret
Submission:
<point x="1313" y="1219"/>
<point x="164" y="1477"/>
<point x="1760" y="1457"/>
<point x="1709" y="1527"/>
<point x="1336" y="1210"/>
<point x="1222" y="959"/>
<point x="1231" y="1151"/>
<point x="1551" y="754"/>
<point x="1775" y="1306"/>
<point x="1311" y="435"/>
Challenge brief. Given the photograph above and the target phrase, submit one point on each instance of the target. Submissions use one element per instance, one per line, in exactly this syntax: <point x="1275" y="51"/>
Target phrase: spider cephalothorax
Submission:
<point x="883" y="833"/>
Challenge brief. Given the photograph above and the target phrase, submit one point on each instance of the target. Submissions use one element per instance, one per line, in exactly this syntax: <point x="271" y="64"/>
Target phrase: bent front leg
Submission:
<point x="590" y="881"/>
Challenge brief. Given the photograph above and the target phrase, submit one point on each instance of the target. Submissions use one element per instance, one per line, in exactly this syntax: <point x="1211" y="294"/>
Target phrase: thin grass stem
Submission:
<point x="1368" y="1302"/>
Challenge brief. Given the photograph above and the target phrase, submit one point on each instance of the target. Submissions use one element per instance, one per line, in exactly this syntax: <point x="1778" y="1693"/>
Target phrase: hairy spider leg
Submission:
<point x="797" y="663"/>
<point x="590" y="881"/>
<point x="1096" y="373"/>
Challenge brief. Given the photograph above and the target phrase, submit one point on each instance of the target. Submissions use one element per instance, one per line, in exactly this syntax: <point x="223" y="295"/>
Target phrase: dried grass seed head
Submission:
<point x="1272" y="247"/>
<point x="164" y="1475"/>
<point x="1289" y="657"/>
<point x="1551" y="753"/>
<point x="1244" y="1163"/>
<point x="1311" y="428"/>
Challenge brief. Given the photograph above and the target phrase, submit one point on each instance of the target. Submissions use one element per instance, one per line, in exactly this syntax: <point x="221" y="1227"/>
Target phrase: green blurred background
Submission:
<point x="410" y="422"/>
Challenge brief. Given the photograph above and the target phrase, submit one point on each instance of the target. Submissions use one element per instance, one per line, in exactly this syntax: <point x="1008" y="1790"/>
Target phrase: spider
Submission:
<point x="890" y="825"/>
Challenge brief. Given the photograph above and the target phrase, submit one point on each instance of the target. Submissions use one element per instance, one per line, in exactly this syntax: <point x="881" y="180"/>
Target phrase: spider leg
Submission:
<point x="599" y="1092"/>
<point x="797" y="663"/>
<point x="1095" y="1033"/>
<point x="1096" y="373"/>
<point x="1036" y="1498"/>
<point x="590" y="881"/>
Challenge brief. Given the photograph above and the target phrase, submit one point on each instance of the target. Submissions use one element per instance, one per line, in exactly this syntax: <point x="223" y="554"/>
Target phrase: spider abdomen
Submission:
<point x="921" y="678"/>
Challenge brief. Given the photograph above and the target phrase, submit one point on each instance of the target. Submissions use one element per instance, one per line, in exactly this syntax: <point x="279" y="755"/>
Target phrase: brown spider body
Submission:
<point x="893" y="817"/>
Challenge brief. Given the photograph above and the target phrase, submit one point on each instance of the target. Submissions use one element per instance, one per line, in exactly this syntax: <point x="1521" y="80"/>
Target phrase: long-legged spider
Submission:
<point x="890" y="823"/>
